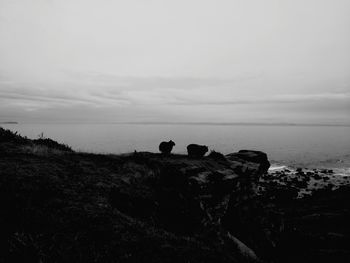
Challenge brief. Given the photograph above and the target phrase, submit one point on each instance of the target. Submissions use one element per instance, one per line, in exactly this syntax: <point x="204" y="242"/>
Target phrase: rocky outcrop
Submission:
<point x="316" y="228"/>
<point x="200" y="197"/>
<point x="256" y="157"/>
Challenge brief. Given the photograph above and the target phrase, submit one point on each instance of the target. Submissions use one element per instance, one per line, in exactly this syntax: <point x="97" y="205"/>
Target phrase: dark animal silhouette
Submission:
<point x="195" y="150"/>
<point x="166" y="147"/>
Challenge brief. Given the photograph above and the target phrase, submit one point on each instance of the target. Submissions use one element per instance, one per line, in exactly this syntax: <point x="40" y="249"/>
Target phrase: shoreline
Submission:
<point x="308" y="180"/>
<point x="341" y="171"/>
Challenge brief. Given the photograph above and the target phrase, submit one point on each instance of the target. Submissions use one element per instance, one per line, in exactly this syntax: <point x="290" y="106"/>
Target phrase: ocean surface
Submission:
<point x="286" y="145"/>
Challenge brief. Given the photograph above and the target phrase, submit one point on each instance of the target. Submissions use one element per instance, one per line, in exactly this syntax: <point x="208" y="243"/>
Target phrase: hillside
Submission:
<point x="58" y="205"/>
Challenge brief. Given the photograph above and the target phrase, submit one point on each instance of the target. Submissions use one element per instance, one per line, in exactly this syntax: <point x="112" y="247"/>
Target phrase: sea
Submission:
<point x="287" y="146"/>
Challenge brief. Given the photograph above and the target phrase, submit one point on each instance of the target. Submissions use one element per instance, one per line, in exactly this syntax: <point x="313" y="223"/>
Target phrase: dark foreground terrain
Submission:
<point x="57" y="205"/>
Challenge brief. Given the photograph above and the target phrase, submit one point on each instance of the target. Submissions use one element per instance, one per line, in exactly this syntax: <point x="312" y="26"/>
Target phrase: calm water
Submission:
<point x="291" y="145"/>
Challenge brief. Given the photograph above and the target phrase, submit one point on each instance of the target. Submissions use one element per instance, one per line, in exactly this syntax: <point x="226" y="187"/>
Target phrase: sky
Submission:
<point x="175" y="61"/>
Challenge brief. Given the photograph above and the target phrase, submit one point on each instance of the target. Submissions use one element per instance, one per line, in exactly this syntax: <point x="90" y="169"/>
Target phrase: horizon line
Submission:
<point x="197" y="123"/>
<point x="236" y="123"/>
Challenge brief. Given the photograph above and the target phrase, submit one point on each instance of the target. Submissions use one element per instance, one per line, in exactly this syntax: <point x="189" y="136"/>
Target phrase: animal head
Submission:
<point x="172" y="143"/>
<point x="206" y="148"/>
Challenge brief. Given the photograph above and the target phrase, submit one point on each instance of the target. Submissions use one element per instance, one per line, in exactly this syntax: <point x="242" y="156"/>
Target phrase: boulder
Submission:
<point x="254" y="157"/>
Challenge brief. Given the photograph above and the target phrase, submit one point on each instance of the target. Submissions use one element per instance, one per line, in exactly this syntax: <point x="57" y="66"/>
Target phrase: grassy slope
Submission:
<point x="56" y="207"/>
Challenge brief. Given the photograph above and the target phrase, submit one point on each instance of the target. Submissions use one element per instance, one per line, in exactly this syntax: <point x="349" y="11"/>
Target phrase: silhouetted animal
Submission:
<point x="166" y="147"/>
<point x="195" y="150"/>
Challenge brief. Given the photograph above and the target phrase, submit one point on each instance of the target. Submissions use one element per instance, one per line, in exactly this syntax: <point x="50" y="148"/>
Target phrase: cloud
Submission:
<point x="271" y="99"/>
<point x="60" y="94"/>
<point x="104" y="90"/>
<point x="107" y="97"/>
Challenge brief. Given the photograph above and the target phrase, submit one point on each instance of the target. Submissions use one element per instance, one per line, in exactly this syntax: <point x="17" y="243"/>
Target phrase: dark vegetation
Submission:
<point x="52" y="144"/>
<point x="15" y="140"/>
<point x="7" y="136"/>
<point x="57" y="205"/>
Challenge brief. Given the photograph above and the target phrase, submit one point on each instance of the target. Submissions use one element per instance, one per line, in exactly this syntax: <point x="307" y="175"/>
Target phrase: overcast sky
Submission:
<point x="183" y="60"/>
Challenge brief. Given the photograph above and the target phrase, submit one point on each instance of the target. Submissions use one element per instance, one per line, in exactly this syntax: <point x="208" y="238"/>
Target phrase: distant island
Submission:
<point x="8" y="122"/>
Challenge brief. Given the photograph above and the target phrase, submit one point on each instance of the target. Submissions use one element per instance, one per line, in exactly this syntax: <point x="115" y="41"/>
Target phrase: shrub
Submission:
<point x="10" y="136"/>
<point x="52" y="144"/>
